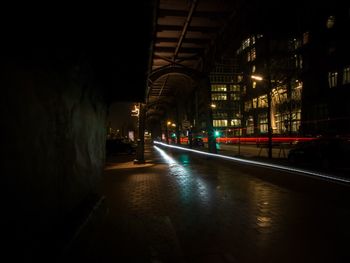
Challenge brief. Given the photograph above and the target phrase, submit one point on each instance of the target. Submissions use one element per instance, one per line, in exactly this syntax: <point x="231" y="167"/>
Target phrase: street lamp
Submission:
<point x="168" y="130"/>
<point x="256" y="77"/>
<point x="269" y="128"/>
<point x="211" y="133"/>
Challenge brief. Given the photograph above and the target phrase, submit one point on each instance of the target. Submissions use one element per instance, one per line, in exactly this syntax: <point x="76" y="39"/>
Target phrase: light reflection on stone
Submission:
<point x="189" y="184"/>
<point x="264" y="221"/>
<point x="265" y="199"/>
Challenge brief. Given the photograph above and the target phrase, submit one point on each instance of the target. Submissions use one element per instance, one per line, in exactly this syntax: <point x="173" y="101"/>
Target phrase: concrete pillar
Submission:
<point x="205" y="86"/>
<point x="178" y="125"/>
<point x="140" y="158"/>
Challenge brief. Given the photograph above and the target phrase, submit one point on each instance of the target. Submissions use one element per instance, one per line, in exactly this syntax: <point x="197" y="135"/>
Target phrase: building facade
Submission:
<point x="296" y="81"/>
<point x="271" y="85"/>
<point x="226" y="103"/>
<point x="324" y="49"/>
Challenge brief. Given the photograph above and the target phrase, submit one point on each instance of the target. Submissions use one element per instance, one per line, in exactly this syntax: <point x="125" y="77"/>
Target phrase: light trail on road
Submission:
<point x="263" y="164"/>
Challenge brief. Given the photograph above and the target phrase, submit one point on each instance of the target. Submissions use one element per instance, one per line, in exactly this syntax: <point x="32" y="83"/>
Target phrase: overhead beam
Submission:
<point x="171" y="62"/>
<point x="185" y="28"/>
<point x="182" y="13"/>
<point x="203" y="29"/>
<point x="193" y="57"/>
<point x="185" y="40"/>
<point x="182" y="50"/>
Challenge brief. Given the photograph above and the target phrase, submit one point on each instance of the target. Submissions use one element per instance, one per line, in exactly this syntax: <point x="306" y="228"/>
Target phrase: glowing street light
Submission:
<point x="213" y="106"/>
<point x="135" y="111"/>
<point x="256" y="77"/>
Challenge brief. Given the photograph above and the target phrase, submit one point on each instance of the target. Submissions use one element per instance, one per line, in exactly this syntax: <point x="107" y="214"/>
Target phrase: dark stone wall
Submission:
<point x="60" y="68"/>
<point x="53" y="119"/>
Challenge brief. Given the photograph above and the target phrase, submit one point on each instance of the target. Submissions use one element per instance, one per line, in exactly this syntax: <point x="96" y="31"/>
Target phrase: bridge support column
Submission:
<point x="206" y="88"/>
<point x="140" y="157"/>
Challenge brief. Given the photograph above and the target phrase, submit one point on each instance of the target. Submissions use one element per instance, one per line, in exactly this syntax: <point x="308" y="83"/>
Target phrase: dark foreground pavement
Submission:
<point x="183" y="207"/>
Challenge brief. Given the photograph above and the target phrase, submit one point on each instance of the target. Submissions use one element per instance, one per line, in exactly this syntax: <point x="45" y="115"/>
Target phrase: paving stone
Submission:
<point x="217" y="211"/>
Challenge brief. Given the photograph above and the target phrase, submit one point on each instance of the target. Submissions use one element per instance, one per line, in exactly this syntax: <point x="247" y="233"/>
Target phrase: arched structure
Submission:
<point x="185" y="45"/>
<point x="179" y="96"/>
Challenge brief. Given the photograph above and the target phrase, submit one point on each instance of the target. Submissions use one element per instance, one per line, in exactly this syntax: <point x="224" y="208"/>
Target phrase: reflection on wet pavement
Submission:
<point x="218" y="211"/>
<point x="246" y="217"/>
<point x="190" y="187"/>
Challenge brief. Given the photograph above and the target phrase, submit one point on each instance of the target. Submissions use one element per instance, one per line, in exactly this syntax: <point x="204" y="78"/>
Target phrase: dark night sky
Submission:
<point x="120" y="115"/>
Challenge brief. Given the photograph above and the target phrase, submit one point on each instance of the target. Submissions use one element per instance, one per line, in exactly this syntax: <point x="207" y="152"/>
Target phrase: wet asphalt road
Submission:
<point x="184" y="207"/>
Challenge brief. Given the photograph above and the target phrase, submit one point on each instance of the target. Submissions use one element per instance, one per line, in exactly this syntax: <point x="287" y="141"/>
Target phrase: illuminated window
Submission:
<point x="253" y="69"/>
<point x="306" y="37"/>
<point x="330" y="22"/>
<point x="219" y="96"/>
<point x="220" y="123"/>
<point x="250" y="125"/>
<point x="296" y="91"/>
<point x="262" y="101"/>
<point x="235" y="88"/>
<point x="253" y="54"/>
<point x="216" y="87"/>
<point x="279" y="95"/>
<point x="254" y="84"/>
<point x="236" y="122"/>
<point x="332" y="79"/>
<point x="235" y="96"/>
<point x="286" y="122"/>
<point x="255" y="103"/>
<point x="245" y="43"/>
<point x="263" y="122"/>
<point x="346" y="75"/>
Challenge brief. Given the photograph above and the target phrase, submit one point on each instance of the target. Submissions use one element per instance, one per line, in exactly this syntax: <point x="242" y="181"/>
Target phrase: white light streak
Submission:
<point x="262" y="164"/>
<point x="181" y="173"/>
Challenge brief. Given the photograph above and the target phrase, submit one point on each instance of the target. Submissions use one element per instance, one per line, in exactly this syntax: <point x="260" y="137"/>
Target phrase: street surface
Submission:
<point x="185" y="207"/>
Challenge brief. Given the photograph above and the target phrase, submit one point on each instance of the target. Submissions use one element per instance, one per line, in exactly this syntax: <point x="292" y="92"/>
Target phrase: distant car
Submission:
<point x="324" y="152"/>
<point x="120" y="145"/>
<point x="197" y="142"/>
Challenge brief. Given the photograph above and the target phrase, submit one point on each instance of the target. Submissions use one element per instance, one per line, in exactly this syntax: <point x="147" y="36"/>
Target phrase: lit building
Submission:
<point x="226" y="98"/>
<point x="324" y="48"/>
<point x="270" y="72"/>
<point x="301" y="69"/>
